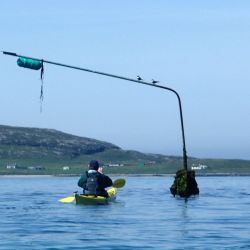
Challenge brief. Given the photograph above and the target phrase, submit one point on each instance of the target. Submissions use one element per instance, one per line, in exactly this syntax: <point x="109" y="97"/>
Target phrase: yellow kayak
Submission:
<point x="96" y="200"/>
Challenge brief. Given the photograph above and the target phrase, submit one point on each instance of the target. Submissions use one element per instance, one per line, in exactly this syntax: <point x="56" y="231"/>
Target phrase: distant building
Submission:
<point x="11" y="166"/>
<point x="31" y="168"/>
<point x="65" y="168"/>
<point x="36" y="168"/>
<point x="115" y="165"/>
<point x="198" y="167"/>
<point x="39" y="168"/>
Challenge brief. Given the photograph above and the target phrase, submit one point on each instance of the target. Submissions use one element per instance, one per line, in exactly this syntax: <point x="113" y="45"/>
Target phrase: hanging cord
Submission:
<point x="41" y="93"/>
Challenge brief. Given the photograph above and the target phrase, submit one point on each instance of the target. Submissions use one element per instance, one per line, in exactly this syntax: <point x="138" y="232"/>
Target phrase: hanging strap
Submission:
<point x="41" y="92"/>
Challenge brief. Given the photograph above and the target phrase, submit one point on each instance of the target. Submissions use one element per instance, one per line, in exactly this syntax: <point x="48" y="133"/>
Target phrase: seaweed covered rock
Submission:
<point x="184" y="184"/>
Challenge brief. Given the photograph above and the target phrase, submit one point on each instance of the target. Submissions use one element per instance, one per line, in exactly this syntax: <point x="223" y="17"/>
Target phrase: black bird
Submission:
<point x="154" y="81"/>
<point x="139" y="78"/>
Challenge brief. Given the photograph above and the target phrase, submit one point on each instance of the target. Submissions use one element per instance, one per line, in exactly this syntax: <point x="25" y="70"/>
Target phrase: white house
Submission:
<point x="11" y="166"/>
<point x="198" y="167"/>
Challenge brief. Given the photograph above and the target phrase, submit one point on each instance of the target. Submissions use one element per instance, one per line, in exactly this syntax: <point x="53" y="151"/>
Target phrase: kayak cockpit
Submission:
<point x="96" y="200"/>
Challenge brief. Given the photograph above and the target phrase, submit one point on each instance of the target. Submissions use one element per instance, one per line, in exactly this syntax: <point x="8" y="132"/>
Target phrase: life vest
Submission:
<point x="91" y="187"/>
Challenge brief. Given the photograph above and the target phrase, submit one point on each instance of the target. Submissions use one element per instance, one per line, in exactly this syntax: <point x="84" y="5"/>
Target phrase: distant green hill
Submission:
<point x="34" y="143"/>
<point x="47" y="151"/>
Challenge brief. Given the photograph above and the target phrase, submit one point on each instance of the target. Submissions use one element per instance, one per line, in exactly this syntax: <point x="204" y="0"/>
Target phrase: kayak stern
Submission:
<point x="96" y="200"/>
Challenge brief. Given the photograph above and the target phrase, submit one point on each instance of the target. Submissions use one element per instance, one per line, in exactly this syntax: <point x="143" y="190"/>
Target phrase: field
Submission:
<point x="113" y="164"/>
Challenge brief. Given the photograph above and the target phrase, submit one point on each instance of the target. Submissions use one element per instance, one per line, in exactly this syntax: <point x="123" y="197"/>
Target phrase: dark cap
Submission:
<point x="94" y="165"/>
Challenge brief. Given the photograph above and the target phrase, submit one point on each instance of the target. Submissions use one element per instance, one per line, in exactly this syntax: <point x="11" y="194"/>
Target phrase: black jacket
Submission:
<point x="103" y="182"/>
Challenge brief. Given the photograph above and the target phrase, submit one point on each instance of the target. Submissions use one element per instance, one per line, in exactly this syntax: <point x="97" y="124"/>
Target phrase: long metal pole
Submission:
<point x="126" y="79"/>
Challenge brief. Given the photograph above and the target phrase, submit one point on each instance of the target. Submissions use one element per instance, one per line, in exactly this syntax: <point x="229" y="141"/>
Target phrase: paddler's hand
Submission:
<point x="100" y="169"/>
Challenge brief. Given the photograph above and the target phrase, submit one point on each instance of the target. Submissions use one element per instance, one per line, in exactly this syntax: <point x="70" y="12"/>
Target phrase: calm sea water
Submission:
<point x="145" y="215"/>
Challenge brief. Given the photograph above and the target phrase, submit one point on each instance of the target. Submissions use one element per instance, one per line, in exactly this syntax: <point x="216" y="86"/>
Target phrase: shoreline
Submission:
<point x="132" y="175"/>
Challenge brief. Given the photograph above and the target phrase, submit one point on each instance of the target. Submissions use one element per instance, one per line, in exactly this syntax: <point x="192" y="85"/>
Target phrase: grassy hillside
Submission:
<point x="46" y="151"/>
<point x="19" y="142"/>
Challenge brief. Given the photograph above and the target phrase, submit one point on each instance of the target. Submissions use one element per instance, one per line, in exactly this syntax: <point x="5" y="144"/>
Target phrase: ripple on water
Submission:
<point x="145" y="216"/>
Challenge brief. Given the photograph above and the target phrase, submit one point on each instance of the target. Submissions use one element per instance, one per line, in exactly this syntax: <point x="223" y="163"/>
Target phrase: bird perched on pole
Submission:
<point x="154" y="81"/>
<point x="139" y="78"/>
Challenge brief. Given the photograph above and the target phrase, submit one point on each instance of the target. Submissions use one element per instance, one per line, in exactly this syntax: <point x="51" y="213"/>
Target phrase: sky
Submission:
<point x="201" y="49"/>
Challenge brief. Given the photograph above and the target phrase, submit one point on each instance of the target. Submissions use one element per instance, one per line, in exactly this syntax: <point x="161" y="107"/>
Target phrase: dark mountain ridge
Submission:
<point x="22" y="141"/>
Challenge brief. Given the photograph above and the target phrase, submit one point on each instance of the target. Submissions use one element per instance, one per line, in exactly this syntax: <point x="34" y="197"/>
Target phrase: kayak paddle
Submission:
<point x="119" y="183"/>
<point x="67" y="199"/>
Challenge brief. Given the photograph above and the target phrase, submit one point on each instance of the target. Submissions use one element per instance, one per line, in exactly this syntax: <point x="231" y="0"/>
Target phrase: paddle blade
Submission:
<point x="119" y="183"/>
<point x="67" y="199"/>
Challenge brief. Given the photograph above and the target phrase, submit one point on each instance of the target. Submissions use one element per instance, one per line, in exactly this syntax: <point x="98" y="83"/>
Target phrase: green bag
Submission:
<point x="184" y="184"/>
<point x="29" y="63"/>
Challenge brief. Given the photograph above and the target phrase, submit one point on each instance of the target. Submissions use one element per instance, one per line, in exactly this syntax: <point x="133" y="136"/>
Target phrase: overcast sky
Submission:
<point x="199" y="48"/>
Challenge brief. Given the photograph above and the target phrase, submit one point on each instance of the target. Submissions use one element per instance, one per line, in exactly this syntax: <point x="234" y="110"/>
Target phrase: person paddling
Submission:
<point x="94" y="181"/>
